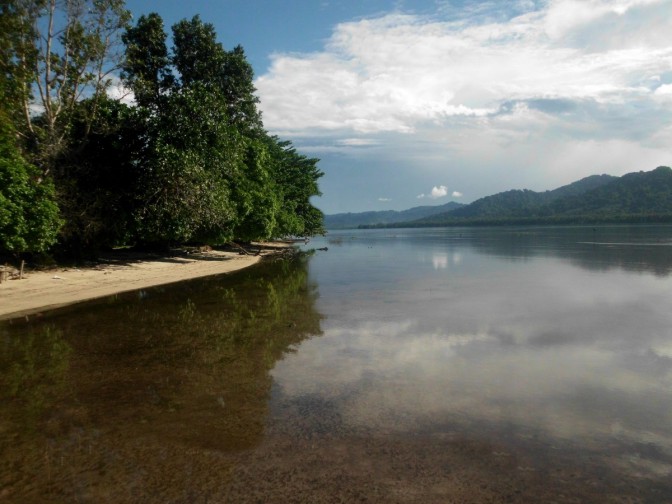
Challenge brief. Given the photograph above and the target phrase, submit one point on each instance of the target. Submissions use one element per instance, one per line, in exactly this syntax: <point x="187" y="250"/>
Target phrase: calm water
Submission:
<point x="459" y="365"/>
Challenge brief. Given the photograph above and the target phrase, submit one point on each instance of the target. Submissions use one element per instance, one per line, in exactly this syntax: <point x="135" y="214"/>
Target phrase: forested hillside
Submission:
<point x="525" y="203"/>
<point x="635" y="197"/>
<point x="182" y="157"/>
<point x="353" y="220"/>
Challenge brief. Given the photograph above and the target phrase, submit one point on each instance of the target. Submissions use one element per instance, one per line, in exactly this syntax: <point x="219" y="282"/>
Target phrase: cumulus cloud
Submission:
<point x="457" y="194"/>
<point x="664" y="90"/>
<point x="398" y="71"/>
<point x="437" y="192"/>
<point x="384" y="199"/>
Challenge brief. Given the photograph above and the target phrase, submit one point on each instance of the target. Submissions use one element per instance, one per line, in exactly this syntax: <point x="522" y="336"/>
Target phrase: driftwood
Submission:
<point x="241" y="250"/>
<point x="10" y="273"/>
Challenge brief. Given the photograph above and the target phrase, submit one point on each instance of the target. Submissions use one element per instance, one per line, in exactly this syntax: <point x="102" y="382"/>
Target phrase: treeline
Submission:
<point x="186" y="160"/>
<point x="640" y="197"/>
<point x="583" y="219"/>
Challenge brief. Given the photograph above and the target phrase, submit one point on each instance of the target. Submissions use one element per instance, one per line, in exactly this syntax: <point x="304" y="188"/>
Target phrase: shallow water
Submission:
<point x="434" y="365"/>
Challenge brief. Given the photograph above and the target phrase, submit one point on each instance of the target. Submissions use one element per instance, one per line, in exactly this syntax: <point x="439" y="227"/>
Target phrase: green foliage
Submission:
<point x="209" y="172"/>
<point x="199" y="58"/>
<point x="98" y="181"/>
<point x="296" y="177"/>
<point x="197" y="55"/>
<point x="58" y="53"/>
<point x="185" y="170"/>
<point x="256" y="196"/>
<point x="29" y="219"/>
<point x="190" y="161"/>
<point x="145" y="68"/>
<point x="18" y="56"/>
<point x="238" y="89"/>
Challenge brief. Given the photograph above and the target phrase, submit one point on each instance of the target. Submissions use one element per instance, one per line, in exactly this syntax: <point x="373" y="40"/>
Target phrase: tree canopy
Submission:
<point x="187" y="159"/>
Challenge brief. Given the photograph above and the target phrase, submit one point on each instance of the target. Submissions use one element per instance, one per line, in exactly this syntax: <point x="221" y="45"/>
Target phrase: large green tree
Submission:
<point x="207" y="171"/>
<point x="29" y="218"/>
<point x="99" y="183"/>
<point x="146" y="67"/>
<point x="199" y="58"/>
<point x="191" y="153"/>
<point x="57" y="53"/>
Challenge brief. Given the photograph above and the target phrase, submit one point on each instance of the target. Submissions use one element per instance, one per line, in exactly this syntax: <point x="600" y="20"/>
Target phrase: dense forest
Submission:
<point x="183" y="158"/>
<point x="633" y="198"/>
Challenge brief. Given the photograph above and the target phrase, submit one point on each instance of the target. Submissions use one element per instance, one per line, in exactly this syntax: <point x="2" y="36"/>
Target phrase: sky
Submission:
<point x="410" y="103"/>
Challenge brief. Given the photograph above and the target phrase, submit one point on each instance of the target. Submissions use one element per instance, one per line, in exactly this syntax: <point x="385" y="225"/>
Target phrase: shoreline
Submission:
<point x="44" y="290"/>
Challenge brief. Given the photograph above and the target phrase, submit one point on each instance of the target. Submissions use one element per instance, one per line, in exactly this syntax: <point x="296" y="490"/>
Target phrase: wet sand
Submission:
<point x="120" y="272"/>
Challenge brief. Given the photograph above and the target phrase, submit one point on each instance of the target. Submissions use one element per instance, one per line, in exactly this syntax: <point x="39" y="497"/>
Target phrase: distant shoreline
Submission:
<point x="61" y="286"/>
<point x="582" y="220"/>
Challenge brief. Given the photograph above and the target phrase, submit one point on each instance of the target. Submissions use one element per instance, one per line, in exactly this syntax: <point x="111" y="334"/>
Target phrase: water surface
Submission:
<point x="433" y="365"/>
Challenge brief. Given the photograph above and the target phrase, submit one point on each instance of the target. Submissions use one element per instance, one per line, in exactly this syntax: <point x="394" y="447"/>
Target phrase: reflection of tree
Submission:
<point x="162" y="391"/>
<point x="631" y="248"/>
<point x="33" y="369"/>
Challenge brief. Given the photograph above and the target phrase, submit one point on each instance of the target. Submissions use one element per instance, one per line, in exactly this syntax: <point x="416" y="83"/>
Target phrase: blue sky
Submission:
<point x="423" y="102"/>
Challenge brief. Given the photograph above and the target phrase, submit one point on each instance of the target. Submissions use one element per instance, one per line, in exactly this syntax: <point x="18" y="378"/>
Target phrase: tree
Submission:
<point x="199" y="58"/>
<point x="296" y="177"/>
<point x="146" y="66"/>
<point x="185" y="169"/>
<point x="238" y="88"/>
<point x="100" y="179"/>
<point x="29" y="219"/>
<point x="18" y="56"/>
<point x="197" y="55"/>
<point x="255" y="194"/>
<point x="209" y="172"/>
<point x="57" y="53"/>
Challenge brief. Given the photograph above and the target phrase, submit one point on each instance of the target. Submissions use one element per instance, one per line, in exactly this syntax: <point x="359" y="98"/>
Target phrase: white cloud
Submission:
<point x="384" y="199"/>
<point x="565" y="15"/>
<point x="117" y="91"/>
<point x="437" y="192"/>
<point x="665" y="90"/>
<point x="395" y="72"/>
<point x="457" y="194"/>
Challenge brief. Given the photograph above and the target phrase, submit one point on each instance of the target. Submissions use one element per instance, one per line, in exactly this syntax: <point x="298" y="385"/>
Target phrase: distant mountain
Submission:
<point x="354" y="220"/>
<point x="639" y="193"/>
<point x="635" y="197"/>
<point x="525" y="203"/>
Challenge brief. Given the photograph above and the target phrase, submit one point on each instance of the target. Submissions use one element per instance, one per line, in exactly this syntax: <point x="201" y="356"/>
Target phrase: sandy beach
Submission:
<point x="43" y="290"/>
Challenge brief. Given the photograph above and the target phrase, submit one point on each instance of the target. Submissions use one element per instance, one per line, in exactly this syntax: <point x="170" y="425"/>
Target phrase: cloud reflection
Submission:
<point x="440" y="260"/>
<point x="511" y="334"/>
<point x="394" y="376"/>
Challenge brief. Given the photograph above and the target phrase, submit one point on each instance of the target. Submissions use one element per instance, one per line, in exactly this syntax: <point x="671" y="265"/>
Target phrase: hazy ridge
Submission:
<point x="372" y="218"/>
